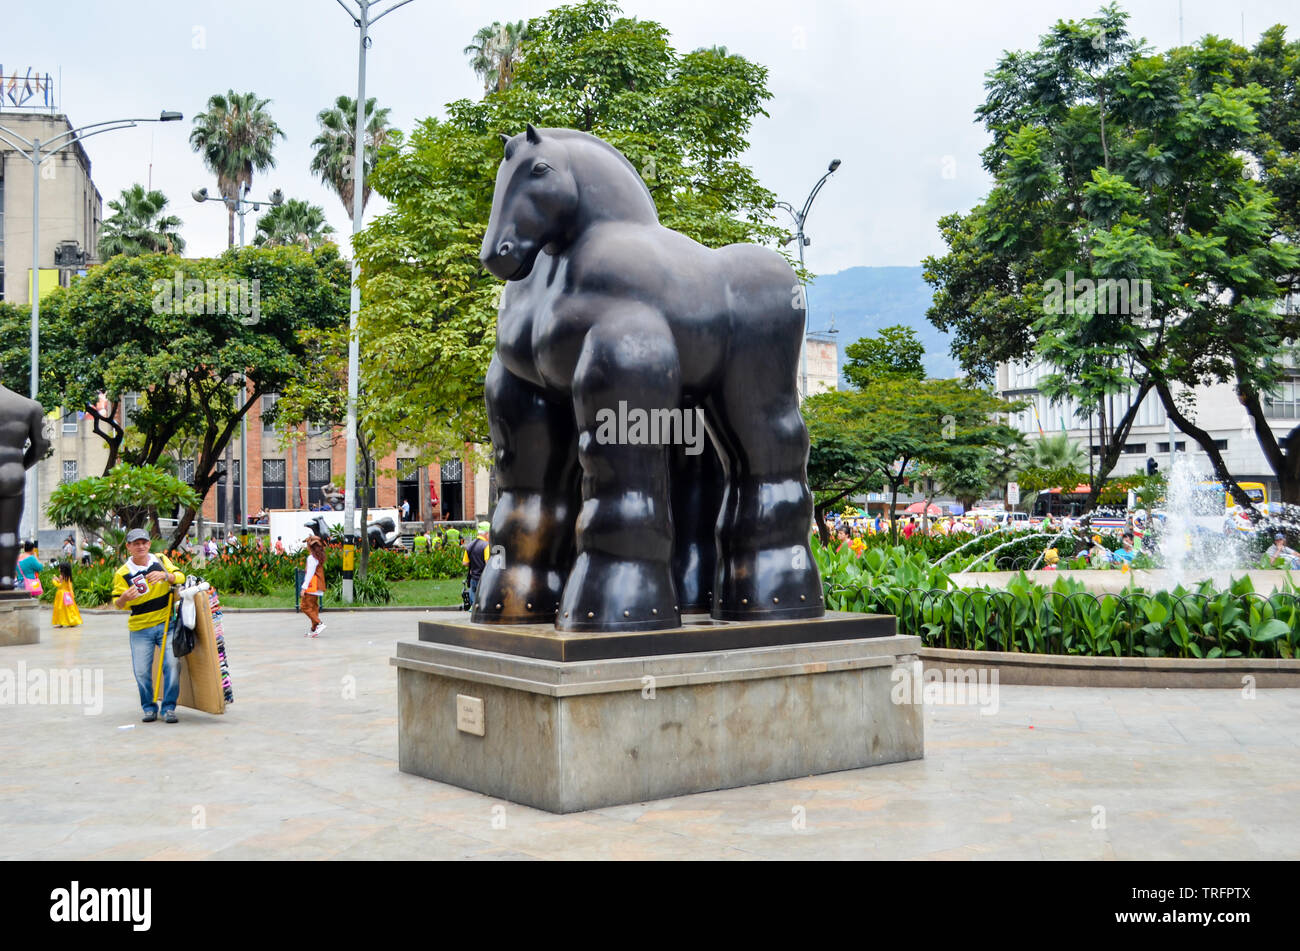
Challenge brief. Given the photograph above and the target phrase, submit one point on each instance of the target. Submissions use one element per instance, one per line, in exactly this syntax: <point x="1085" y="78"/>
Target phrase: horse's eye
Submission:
<point x="541" y="168"/>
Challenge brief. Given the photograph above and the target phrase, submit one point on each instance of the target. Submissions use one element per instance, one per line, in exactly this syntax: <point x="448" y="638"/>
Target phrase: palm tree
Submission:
<point x="294" y="222"/>
<point x="1051" y="453"/>
<point x="1057" y="451"/>
<point x="236" y="137"/>
<point x="495" y="53"/>
<point x="336" y="144"/>
<point x="138" y="225"/>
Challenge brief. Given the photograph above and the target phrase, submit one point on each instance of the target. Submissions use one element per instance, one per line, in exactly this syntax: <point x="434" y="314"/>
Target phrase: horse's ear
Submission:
<point x="532" y="134"/>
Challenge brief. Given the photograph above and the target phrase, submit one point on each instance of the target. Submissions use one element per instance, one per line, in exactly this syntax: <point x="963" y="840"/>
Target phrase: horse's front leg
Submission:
<point x="535" y="449"/>
<point x="622" y="576"/>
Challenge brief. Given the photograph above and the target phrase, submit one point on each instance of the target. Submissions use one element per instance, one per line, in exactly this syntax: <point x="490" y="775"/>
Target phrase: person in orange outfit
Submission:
<point x="313" y="588"/>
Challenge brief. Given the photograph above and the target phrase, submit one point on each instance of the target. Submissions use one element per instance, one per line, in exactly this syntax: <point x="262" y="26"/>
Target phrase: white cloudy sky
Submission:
<point x="889" y="88"/>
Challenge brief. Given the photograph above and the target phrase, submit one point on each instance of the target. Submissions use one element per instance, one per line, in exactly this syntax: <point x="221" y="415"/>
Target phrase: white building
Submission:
<point x="1215" y="409"/>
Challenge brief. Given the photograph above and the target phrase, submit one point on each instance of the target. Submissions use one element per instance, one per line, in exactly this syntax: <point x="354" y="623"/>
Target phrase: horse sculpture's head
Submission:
<point x="535" y="204"/>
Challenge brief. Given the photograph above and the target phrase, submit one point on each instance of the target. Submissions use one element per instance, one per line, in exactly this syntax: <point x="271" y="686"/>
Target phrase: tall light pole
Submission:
<point x="800" y="217"/>
<point x="36" y="151"/>
<point x="363" y="21"/>
<point x="242" y="205"/>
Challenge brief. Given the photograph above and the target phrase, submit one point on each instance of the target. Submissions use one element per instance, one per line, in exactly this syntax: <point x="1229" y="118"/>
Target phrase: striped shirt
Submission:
<point x="152" y="607"/>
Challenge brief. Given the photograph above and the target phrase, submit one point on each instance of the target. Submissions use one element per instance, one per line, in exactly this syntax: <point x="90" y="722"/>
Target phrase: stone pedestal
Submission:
<point x="580" y="734"/>
<point x="20" y="619"/>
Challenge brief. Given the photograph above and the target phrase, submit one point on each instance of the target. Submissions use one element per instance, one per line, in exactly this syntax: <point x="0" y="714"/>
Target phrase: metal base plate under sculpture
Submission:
<point x="566" y="736"/>
<point x="20" y="618"/>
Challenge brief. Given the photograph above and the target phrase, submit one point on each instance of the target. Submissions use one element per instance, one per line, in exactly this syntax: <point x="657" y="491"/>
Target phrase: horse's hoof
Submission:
<point x="603" y="594"/>
<point x="517" y="595"/>
<point x="769" y="585"/>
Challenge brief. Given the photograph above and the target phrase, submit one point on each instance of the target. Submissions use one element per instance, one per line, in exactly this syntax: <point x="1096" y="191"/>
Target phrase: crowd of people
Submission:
<point x="853" y="532"/>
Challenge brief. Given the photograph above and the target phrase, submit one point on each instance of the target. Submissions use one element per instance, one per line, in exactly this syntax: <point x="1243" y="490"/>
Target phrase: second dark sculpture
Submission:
<point x="615" y="338"/>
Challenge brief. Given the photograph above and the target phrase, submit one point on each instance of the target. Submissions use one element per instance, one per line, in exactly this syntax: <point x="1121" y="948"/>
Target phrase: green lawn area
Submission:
<point x="414" y="593"/>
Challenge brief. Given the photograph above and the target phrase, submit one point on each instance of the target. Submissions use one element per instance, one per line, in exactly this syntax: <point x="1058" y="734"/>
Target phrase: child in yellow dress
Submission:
<point x="65" y="602"/>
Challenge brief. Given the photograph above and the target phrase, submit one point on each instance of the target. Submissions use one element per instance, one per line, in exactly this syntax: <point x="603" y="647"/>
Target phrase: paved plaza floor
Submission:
<point x="304" y="766"/>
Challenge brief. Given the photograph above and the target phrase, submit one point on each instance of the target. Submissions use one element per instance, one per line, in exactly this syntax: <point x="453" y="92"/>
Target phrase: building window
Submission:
<point x="317" y="428"/>
<point x="1284" y="402"/>
<point x="71" y="425"/>
<point x="453" y="494"/>
<point x="130" y="406"/>
<point x="268" y="408"/>
<point x="1164" y="446"/>
<point x="221" y="498"/>
<point x="273" y="483"/>
<point x="408" y="486"/>
<point x="1131" y="448"/>
<point x="318" y="477"/>
<point x="185" y="471"/>
<point x="70" y="470"/>
<point x="1220" y="444"/>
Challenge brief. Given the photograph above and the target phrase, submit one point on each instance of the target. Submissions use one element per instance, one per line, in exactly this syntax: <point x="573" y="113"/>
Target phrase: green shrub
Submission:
<point x="1064" y="618"/>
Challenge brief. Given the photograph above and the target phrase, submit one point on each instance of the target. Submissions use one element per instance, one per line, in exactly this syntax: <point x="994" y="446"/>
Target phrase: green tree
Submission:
<point x="1054" y="452"/>
<point x="495" y="51"/>
<point x="125" y="327"/>
<point x="16" y="349"/>
<point x="293" y="222"/>
<point x="236" y="137"/>
<point x="1126" y="242"/>
<point x="896" y="352"/>
<point x="895" y="426"/>
<point x="138" y="225"/>
<point x="429" y="308"/>
<point x="894" y="430"/>
<point x="334" y="148"/>
<point x="1049" y="462"/>
<point x="132" y="494"/>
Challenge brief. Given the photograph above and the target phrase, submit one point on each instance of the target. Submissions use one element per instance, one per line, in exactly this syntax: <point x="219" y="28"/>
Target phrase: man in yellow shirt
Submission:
<point x="143" y="584"/>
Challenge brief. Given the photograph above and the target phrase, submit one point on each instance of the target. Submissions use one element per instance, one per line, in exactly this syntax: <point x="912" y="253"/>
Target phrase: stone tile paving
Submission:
<point x="303" y="766"/>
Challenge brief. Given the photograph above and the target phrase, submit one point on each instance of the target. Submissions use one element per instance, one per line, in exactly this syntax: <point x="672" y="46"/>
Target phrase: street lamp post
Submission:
<point x="362" y="20"/>
<point x="36" y="151"/>
<point x="242" y="205"/>
<point x="800" y="217"/>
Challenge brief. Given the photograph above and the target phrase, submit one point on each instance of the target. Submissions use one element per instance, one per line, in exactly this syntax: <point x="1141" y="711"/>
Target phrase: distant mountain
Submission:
<point x="865" y="299"/>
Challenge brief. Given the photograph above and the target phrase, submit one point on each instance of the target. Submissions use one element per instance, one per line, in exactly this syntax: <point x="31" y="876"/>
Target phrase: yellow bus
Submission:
<point x="1256" y="490"/>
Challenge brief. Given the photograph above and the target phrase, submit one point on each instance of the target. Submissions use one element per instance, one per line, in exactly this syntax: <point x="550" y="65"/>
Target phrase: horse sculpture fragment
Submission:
<point x="650" y="454"/>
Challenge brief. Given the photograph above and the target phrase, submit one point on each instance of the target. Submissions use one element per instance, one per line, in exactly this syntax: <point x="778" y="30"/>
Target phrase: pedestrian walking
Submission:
<point x="313" y="586"/>
<point x="143" y="585"/>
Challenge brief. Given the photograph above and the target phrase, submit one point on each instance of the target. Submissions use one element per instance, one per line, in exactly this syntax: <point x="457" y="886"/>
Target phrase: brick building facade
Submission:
<point x="293" y="477"/>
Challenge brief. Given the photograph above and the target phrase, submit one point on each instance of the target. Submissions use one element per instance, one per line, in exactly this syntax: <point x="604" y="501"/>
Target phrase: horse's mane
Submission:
<point x="574" y="135"/>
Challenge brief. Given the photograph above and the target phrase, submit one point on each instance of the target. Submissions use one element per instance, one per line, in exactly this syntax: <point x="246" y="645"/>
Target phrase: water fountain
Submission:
<point x="1193" y="543"/>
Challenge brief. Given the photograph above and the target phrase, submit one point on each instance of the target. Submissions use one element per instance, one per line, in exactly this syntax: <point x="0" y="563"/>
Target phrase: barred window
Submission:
<point x="273" y="484"/>
<point x="70" y="470"/>
<point x="318" y="478"/>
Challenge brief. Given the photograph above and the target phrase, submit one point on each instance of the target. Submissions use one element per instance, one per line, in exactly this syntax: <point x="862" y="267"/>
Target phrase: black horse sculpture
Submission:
<point x="616" y="511"/>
